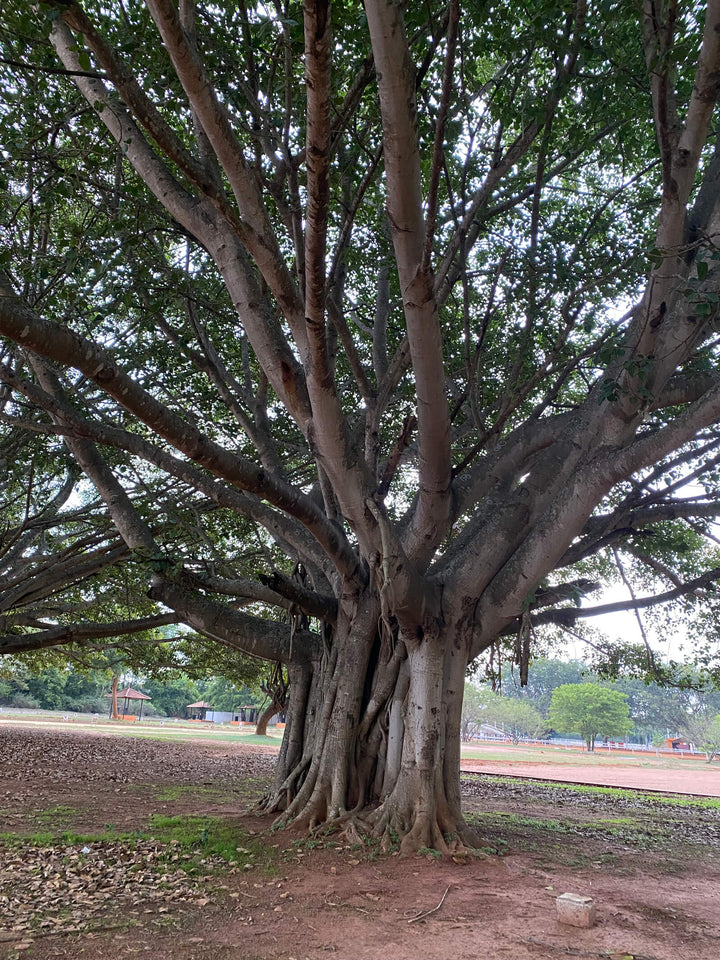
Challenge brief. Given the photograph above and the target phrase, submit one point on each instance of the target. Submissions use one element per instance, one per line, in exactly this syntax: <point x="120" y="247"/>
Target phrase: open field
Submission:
<point x="649" y="771"/>
<point x="114" y="846"/>
<point x="148" y="728"/>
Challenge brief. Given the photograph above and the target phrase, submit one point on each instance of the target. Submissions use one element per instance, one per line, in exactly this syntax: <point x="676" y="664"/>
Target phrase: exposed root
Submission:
<point x="409" y="830"/>
<point x="469" y="837"/>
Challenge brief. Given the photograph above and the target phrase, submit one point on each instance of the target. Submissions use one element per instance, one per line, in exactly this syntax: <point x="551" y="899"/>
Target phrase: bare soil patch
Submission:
<point x="92" y="865"/>
<point x="693" y="777"/>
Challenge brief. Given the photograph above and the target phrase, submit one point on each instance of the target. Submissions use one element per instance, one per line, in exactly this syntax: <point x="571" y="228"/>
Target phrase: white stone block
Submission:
<point x="576" y="910"/>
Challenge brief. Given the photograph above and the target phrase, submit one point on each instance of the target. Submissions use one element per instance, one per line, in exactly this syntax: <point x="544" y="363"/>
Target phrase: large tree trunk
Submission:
<point x="373" y="735"/>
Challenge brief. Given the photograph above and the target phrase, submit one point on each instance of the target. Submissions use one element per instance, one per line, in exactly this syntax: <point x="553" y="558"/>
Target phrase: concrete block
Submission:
<point x="575" y="910"/>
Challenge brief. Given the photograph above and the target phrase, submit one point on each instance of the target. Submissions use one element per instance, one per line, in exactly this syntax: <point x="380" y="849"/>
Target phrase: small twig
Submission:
<point x="331" y="903"/>
<point x="572" y="952"/>
<point x="421" y="916"/>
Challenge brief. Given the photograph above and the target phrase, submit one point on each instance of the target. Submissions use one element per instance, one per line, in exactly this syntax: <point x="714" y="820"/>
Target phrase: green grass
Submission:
<point x="40" y="839"/>
<point x="181" y="791"/>
<point x="207" y="837"/>
<point x="60" y="813"/>
<point x="190" y="841"/>
<point x="515" y="821"/>
<point x="182" y="734"/>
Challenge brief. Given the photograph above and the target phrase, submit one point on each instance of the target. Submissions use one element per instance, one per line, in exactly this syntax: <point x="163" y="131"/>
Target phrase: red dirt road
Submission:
<point x="697" y="782"/>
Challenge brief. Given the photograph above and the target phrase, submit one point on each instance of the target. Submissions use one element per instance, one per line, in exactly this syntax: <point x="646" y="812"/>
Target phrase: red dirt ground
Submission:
<point x="657" y="899"/>
<point x="703" y="782"/>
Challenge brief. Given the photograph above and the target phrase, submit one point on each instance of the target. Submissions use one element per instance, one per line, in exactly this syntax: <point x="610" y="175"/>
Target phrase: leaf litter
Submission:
<point x="65" y="888"/>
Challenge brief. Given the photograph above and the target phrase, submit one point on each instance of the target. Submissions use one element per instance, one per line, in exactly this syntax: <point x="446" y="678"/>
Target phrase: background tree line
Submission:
<point x="72" y="690"/>
<point x="651" y="712"/>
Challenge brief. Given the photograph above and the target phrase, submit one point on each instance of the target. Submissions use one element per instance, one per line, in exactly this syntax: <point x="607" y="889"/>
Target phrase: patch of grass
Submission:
<point x="696" y="803"/>
<point x="615" y="793"/>
<point x="268" y="740"/>
<point x="55" y="815"/>
<point x="39" y="839"/>
<point x="194" y="843"/>
<point x="206" y="837"/>
<point x="429" y="852"/>
<point x="616" y="821"/>
<point x="513" y="821"/>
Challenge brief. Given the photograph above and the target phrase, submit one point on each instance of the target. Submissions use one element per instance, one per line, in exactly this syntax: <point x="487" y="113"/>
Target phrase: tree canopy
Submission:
<point x="398" y="321"/>
<point x="590" y="710"/>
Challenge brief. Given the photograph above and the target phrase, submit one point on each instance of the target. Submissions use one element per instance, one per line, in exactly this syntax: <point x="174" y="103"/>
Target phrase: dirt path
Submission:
<point x="652" y="867"/>
<point x="701" y="783"/>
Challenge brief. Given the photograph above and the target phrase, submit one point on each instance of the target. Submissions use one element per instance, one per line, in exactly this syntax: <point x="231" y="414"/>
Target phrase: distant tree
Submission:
<point x="521" y="719"/>
<point x="226" y="695"/>
<point x="702" y="730"/>
<point x="473" y="706"/>
<point x="84" y="690"/>
<point x="515" y="717"/>
<point x="590" y="710"/>
<point x="710" y="742"/>
<point x="171" y="695"/>
<point x="275" y="687"/>
<point x="657" y="709"/>
<point x="48" y="688"/>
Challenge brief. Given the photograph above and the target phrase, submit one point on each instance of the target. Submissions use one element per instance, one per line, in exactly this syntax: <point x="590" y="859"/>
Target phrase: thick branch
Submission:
<point x="310" y="602"/>
<point x="259" y="638"/>
<point x="75" y="633"/>
<point x="396" y="85"/>
<point x="570" y="614"/>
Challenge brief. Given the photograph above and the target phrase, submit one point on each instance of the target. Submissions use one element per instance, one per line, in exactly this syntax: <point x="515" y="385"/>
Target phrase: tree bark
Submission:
<point x="270" y="710"/>
<point x="372" y="740"/>
<point x="114" y="715"/>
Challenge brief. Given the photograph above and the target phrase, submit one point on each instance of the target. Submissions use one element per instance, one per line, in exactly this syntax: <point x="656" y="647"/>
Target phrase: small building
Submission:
<point x="198" y="711"/>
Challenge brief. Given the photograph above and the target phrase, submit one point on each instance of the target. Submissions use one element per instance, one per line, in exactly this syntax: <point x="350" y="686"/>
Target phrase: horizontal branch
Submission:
<point x="568" y="615"/>
<point x="77" y="633"/>
<point x="264" y="639"/>
<point x="310" y="602"/>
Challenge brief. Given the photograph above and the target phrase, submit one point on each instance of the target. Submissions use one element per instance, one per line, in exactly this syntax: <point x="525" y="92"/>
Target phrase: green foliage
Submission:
<point x="590" y="710"/>
<point x="556" y="248"/>
<point x="702" y="729"/>
<point x="68" y="688"/>
<point x="544" y="676"/>
<point x="516" y="718"/>
<point x="710" y="742"/>
<point x="171" y="696"/>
